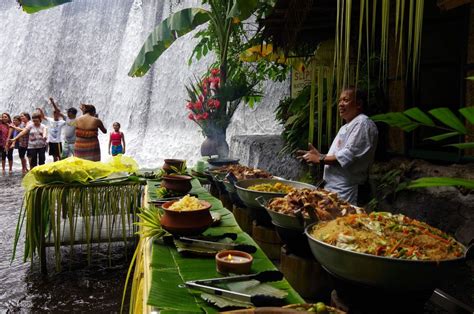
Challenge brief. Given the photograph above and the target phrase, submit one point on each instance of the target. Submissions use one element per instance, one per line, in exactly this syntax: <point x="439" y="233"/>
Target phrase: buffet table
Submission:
<point x="160" y="271"/>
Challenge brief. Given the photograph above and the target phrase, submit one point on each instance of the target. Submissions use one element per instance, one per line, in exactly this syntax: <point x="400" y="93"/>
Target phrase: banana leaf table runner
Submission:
<point x="169" y="270"/>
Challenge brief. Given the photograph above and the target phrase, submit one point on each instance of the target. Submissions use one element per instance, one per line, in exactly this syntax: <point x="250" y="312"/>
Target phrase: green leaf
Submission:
<point x="416" y="114"/>
<point x="467" y="145"/>
<point x="242" y="9"/>
<point x="470" y="78"/>
<point x="468" y="113"/>
<point x="222" y="302"/>
<point x="175" y="26"/>
<point x="442" y="136"/>
<point x="396" y="119"/>
<point x="447" y="117"/>
<point x="33" y="6"/>
<point x="441" y="181"/>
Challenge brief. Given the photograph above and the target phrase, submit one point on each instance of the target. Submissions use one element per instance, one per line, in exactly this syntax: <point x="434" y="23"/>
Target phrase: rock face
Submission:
<point x="262" y="151"/>
<point x="450" y="209"/>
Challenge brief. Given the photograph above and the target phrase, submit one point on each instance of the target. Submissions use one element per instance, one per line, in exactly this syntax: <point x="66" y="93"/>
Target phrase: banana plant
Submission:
<point x="33" y="6"/>
<point x="224" y="17"/>
<point x="446" y="121"/>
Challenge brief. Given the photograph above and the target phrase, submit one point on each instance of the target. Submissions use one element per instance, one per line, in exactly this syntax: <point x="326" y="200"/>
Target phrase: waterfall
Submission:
<point x="81" y="52"/>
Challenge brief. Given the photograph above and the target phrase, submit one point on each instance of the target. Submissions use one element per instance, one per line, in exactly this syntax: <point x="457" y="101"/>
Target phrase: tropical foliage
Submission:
<point x="33" y="6"/>
<point x="447" y="122"/>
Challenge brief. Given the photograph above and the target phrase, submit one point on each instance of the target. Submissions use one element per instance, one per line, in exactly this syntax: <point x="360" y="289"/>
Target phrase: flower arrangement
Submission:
<point x="207" y="106"/>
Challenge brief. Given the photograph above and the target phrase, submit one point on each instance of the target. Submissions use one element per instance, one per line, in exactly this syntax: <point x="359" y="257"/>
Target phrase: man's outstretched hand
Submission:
<point x="310" y="156"/>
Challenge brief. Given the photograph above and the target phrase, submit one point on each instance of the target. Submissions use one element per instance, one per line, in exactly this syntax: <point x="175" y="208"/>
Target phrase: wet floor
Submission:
<point x="80" y="287"/>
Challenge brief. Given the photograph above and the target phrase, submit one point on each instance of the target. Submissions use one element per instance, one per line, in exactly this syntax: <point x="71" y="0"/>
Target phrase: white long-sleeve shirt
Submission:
<point x="354" y="147"/>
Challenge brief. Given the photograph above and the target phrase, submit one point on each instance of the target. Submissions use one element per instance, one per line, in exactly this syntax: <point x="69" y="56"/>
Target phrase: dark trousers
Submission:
<point x="7" y="154"/>
<point x="36" y="156"/>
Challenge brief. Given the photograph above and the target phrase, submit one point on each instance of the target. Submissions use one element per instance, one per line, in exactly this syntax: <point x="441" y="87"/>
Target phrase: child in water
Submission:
<point x="116" y="140"/>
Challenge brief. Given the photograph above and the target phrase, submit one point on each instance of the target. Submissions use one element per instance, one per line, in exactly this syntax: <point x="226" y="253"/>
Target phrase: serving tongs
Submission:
<point x="207" y="285"/>
<point x="218" y="246"/>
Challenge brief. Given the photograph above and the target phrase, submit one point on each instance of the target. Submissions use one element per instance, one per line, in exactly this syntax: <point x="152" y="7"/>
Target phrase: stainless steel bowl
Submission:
<point x="283" y="220"/>
<point x="248" y="197"/>
<point x="378" y="271"/>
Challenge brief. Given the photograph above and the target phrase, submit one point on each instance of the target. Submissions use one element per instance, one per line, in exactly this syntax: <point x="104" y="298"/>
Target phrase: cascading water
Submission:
<point x="82" y="51"/>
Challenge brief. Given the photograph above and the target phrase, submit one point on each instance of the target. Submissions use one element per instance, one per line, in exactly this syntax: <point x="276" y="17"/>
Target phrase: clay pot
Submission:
<point x="177" y="183"/>
<point x="186" y="222"/>
<point x="177" y="163"/>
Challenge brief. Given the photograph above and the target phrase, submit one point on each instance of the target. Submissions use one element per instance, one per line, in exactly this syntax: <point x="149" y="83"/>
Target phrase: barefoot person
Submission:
<point x="37" y="140"/>
<point x="87" y="129"/>
<point x="69" y="129"/>
<point x="5" y="133"/>
<point x="22" y="144"/>
<point x="352" y="152"/>
<point x="116" y="140"/>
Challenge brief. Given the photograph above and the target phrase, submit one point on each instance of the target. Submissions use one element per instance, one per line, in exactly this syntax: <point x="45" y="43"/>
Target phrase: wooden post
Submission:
<point x="243" y="218"/>
<point x="42" y="246"/>
<point x="305" y="275"/>
<point x="267" y="239"/>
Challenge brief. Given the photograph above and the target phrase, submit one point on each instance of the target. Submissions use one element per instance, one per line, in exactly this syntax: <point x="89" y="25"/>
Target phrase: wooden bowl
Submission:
<point x="177" y="183"/>
<point x="186" y="222"/>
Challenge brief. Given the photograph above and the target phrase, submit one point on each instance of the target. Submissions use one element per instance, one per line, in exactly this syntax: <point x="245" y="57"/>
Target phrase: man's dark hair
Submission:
<point x="72" y="110"/>
<point x="360" y="95"/>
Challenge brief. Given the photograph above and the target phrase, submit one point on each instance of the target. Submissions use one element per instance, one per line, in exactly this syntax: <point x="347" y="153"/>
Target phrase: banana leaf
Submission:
<point x="250" y="287"/>
<point x="441" y="181"/>
<point x="468" y="113"/>
<point x="164" y="35"/>
<point x="242" y="9"/>
<point x="170" y="270"/>
<point x="33" y="6"/>
<point x="446" y="116"/>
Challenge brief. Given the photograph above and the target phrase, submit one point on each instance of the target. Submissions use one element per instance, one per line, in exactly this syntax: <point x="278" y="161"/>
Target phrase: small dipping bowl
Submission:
<point x="233" y="262"/>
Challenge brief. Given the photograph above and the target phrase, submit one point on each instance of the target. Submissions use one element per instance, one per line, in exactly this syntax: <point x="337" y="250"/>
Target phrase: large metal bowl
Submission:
<point x="249" y="196"/>
<point x="283" y="220"/>
<point x="378" y="271"/>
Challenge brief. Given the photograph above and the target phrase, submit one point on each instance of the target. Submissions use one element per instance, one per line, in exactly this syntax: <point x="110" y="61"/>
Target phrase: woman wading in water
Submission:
<point x="87" y="130"/>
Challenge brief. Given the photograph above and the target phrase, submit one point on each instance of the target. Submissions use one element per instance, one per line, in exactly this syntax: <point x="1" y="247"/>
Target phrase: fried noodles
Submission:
<point x="389" y="235"/>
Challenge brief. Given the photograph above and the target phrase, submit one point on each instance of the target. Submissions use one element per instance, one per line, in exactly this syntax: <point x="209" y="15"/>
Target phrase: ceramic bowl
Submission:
<point x="186" y="222"/>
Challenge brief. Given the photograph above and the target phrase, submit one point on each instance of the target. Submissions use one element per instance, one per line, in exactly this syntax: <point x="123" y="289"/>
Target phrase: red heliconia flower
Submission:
<point x="210" y="103"/>
<point x="198" y="116"/>
<point x="201" y="98"/>
<point x="217" y="103"/>
<point x="215" y="72"/>
<point x="191" y="116"/>
<point x="205" y="115"/>
<point x="190" y="106"/>
<point x="198" y="105"/>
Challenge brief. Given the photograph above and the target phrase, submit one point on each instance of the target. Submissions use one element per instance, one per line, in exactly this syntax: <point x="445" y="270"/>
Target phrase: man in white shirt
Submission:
<point x="69" y="129"/>
<point x="54" y="135"/>
<point x="351" y="153"/>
